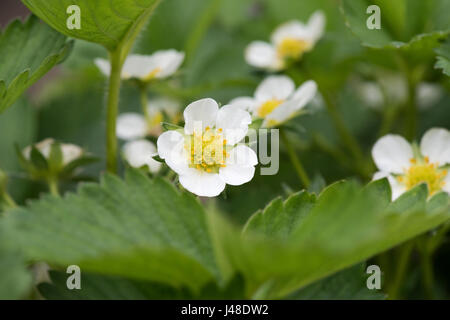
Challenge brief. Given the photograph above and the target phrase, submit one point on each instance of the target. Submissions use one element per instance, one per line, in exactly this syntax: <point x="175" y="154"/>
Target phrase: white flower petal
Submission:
<point x="202" y="184"/>
<point x="44" y="147"/>
<point x="305" y="93"/>
<point x="70" y="152"/>
<point x="244" y="103"/>
<point x="397" y="189"/>
<point x="168" y="61"/>
<point x="281" y="114"/>
<point x="139" y="153"/>
<point x="446" y="187"/>
<point x="435" y="145"/>
<point x="131" y="126"/>
<point x="290" y="30"/>
<point x="167" y="142"/>
<point x="392" y="153"/>
<point x="178" y="159"/>
<point x="274" y="87"/>
<point x="240" y="168"/>
<point x="263" y="55"/>
<point x="103" y="65"/>
<point x="316" y="25"/>
<point x="242" y="155"/>
<point x="202" y="112"/>
<point x="138" y="66"/>
<point x="234" y="122"/>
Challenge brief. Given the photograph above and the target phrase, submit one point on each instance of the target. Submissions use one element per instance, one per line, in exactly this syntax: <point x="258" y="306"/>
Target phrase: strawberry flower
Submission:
<point x="288" y="42"/>
<point x="406" y="167"/>
<point x="205" y="154"/>
<point x="159" y="65"/>
<point x="276" y="100"/>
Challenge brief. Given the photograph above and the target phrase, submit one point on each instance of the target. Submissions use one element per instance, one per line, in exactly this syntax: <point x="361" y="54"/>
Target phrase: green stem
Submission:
<point x="427" y="273"/>
<point x="53" y="186"/>
<point x="402" y="267"/>
<point x="144" y="100"/>
<point x="112" y="111"/>
<point x="411" y="109"/>
<point x="295" y="160"/>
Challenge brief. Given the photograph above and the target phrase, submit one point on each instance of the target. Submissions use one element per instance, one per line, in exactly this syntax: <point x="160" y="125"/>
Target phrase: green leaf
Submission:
<point x="111" y="23"/>
<point x="28" y="50"/>
<point x="98" y="287"/>
<point x="141" y="229"/>
<point x="349" y="284"/>
<point x="38" y="160"/>
<point x="443" y="59"/>
<point x="344" y="226"/>
<point x="15" y="279"/>
<point x="405" y="24"/>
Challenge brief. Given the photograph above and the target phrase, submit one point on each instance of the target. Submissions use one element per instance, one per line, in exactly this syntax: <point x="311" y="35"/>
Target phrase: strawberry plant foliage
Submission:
<point x="29" y="50"/>
<point x="107" y="22"/>
<point x="144" y="230"/>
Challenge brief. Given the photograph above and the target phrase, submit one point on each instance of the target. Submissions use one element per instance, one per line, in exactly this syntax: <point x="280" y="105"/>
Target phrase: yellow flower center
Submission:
<point x="152" y="74"/>
<point x="291" y="48"/>
<point x="207" y="150"/>
<point x="268" y="106"/>
<point x="424" y="172"/>
<point x="155" y="119"/>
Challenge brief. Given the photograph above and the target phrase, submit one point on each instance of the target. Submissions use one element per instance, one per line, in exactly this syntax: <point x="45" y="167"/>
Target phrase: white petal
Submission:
<point x="202" y="184"/>
<point x="178" y="159"/>
<point x="201" y="113"/>
<point x="446" y="187"/>
<point x="167" y="142"/>
<point x="234" y="122"/>
<point x="138" y="66"/>
<point x="397" y="189"/>
<point x="139" y="153"/>
<point x="274" y="87"/>
<point x="392" y="153"/>
<point x="242" y="155"/>
<point x="244" y="103"/>
<point x="70" y="152"/>
<point x="290" y="30"/>
<point x="131" y="126"/>
<point x="240" y="168"/>
<point x="281" y="114"/>
<point x="44" y="147"/>
<point x="168" y="61"/>
<point x="103" y="65"/>
<point x="435" y="145"/>
<point x="316" y="25"/>
<point x="263" y="55"/>
<point x="305" y="93"/>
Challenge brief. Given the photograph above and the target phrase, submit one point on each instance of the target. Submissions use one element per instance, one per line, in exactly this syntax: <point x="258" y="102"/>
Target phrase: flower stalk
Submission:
<point x="303" y="176"/>
<point x="112" y="110"/>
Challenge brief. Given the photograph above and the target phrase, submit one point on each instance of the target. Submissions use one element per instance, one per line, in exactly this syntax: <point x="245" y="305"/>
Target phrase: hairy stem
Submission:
<point x="112" y="111"/>
<point x="295" y="160"/>
<point x="53" y="186"/>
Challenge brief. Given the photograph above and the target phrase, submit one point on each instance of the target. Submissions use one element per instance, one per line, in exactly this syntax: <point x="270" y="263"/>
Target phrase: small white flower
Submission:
<point x="132" y="126"/>
<point x="205" y="154"/>
<point x="288" y="42"/>
<point x="404" y="168"/>
<point x="139" y="153"/>
<point x="159" y="65"/>
<point x="276" y="100"/>
<point x="70" y="152"/>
